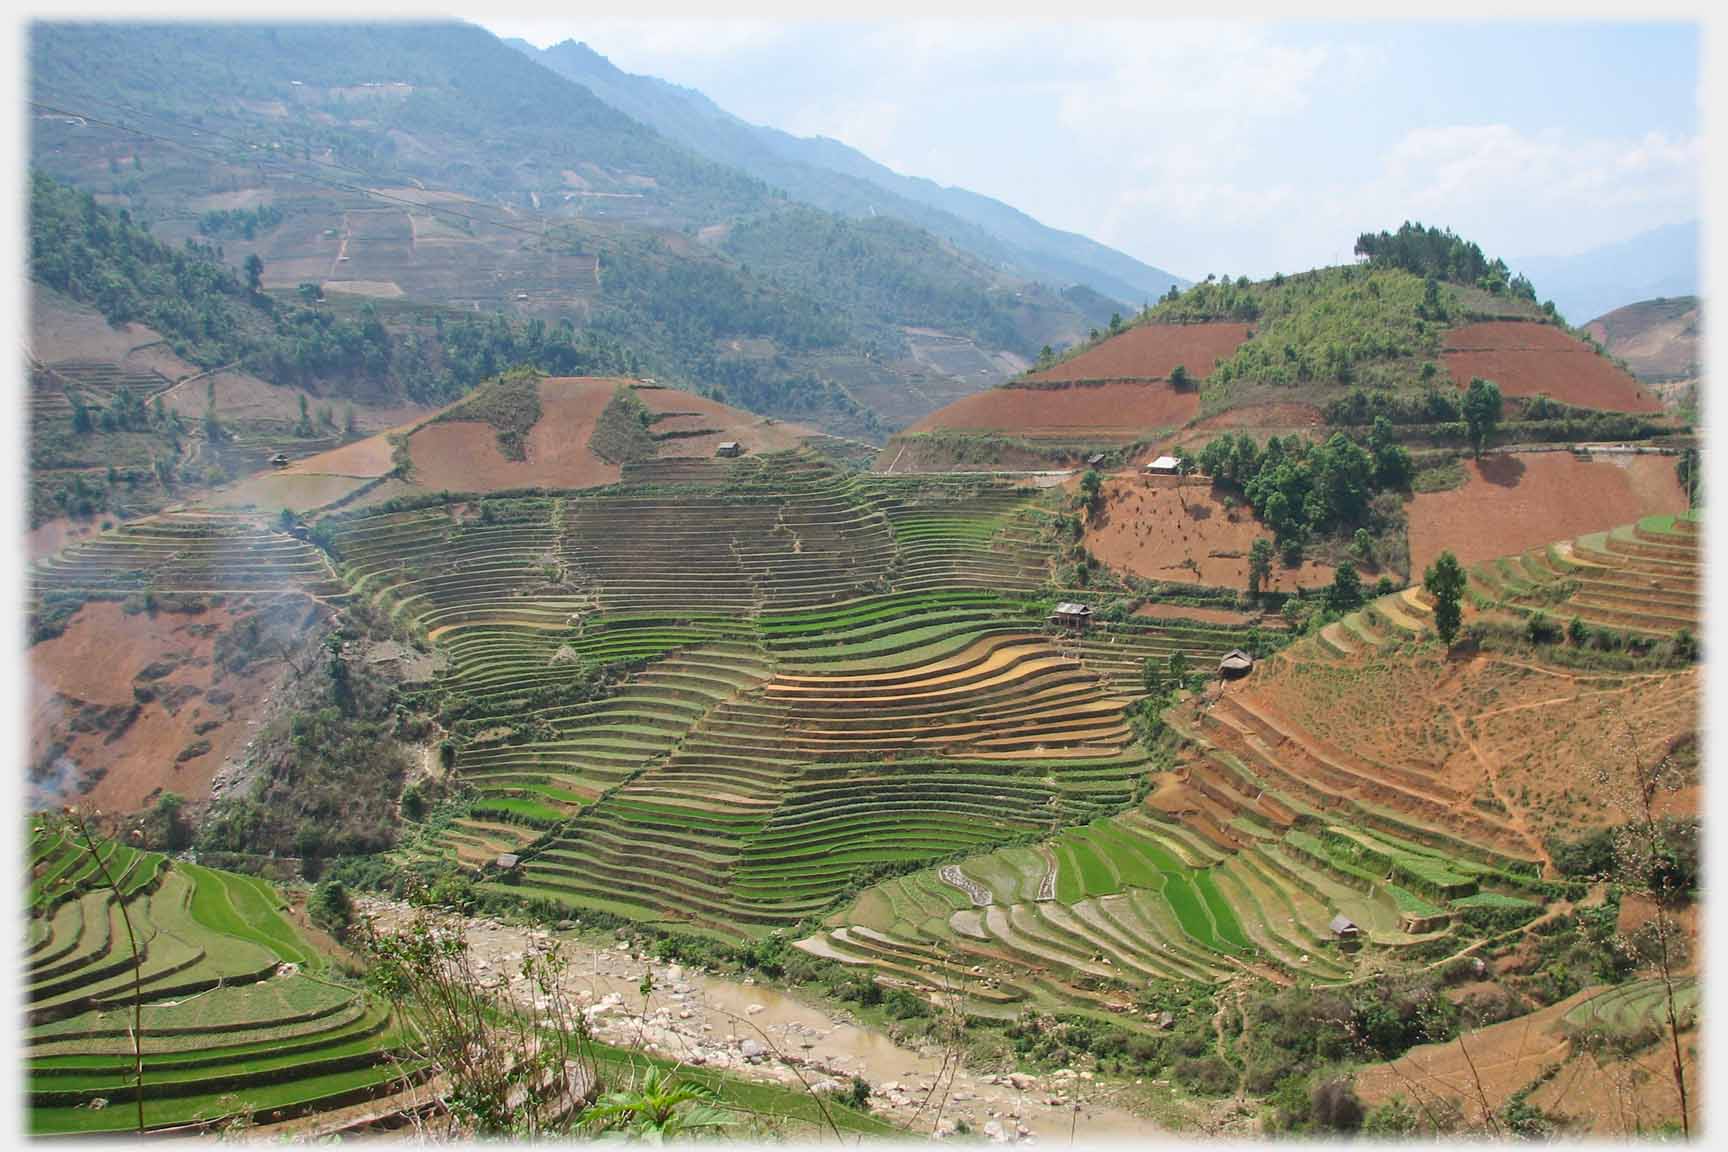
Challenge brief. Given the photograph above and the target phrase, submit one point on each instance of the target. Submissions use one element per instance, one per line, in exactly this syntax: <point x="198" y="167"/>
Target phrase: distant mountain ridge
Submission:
<point x="828" y="174"/>
<point x="1660" y="263"/>
<point x="473" y="178"/>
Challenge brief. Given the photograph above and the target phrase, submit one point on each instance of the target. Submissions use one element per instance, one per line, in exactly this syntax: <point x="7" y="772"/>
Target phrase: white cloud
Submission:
<point x="871" y="126"/>
<point x="1196" y="146"/>
<point x="1535" y="194"/>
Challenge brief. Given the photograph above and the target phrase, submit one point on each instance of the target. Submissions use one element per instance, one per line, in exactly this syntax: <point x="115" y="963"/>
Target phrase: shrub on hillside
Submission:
<point x="1334" y="1107"/>
<point x="1204" y="1075"/>
<point x="1394" y="1118"/>
<point x="330" y="908"/>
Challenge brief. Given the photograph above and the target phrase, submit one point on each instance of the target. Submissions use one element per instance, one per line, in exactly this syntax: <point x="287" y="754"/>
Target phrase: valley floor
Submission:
<point x="767" y="1034"/>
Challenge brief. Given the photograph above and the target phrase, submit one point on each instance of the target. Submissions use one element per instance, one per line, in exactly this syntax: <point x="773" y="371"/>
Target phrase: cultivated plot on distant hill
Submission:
<point x="1530" y="359"/>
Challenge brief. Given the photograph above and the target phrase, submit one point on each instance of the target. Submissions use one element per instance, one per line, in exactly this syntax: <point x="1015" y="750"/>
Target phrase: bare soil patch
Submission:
<point x="926" y="455"/>
<point x="1152" y="352"/>
<point x="51" y="536"/>
<point x="94" y="666"/>
<point x="241" y="396"/>
<point x="270" y="492"/>
<point x="1184" y="534"/>
<point x="381" y="289"/>
<point x="388" y="490"/>
<point x="1526" y="359"/>
<point x="373" y="456"/>
<point x="1625" y="1099"/>
<point x="1658" y="339"/>
<point x="1258" y="420"/>
<point x="1083" y="413"/>
<point x="1506" y="1057"/>
<point x="1511" y="502"/>
<point x="1206" y="615"/>
<point x="1598" y="1095"/>
<point x="1551" y="743"/>
<point x="755" y="434"/>
<point x="463" y="455"/>
<point x="64" y="329"/>
<point x="366" y="458"/>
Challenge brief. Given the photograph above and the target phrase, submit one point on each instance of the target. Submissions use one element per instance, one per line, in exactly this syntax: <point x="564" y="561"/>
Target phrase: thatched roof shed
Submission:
<point x="1235" y="663"/>
<point x="1071" y="614"/>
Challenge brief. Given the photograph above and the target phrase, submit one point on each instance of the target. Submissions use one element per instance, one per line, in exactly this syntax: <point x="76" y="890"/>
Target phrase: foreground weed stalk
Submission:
<point x="81" y="828"/>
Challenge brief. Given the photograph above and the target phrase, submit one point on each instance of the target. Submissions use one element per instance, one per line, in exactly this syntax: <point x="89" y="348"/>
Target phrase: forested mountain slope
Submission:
<point x="432" y="171"/>
<point x="830" y="175"/>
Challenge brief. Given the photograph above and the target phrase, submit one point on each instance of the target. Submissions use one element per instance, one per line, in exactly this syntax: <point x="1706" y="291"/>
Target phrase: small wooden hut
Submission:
<point x="1070" y="615"/>
<point x="1235" y="664"/>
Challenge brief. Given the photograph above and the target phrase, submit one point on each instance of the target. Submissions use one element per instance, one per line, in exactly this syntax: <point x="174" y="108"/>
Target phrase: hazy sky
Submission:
<point x="1234" y="148"/>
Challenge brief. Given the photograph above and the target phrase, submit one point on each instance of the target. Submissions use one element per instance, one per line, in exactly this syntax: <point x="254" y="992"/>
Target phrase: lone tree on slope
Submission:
<point x="1482" y="410"/>
<point x="1092" y="490"/>
<point x="1345" y="592"/>
<point x="1259" y="565"/>
<point x="1444" y="581"/>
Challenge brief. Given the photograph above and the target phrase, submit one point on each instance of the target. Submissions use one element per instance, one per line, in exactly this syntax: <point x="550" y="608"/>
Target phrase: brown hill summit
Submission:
<point x="1657" y="340"/>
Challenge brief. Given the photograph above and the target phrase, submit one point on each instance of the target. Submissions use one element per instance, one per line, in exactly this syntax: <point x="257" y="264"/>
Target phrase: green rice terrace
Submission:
<point x="807" y="676"/>
<point x="241" y="1016"/>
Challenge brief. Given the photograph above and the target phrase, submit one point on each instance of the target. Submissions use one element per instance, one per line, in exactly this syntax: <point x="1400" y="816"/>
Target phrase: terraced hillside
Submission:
<point x="186" y="553"/>
<point x="778" y="676"/>
<point x="720" y="696"/>
<point x="241" y="1016"/>
<point x="1641" y="577"/>
<point x="1277" y="818"/>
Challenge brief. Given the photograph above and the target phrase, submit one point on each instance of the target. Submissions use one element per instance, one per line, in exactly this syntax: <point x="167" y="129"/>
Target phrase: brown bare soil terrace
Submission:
<point x="366" y="458"/>
<point x="1083" y="413"/>
<point x="1515" y="501"/>
<point x="1522" y="746"/>
<point x="1151" y="352"/>
<point x="1527" y="359"/>
<point x="270" y="492"/>
<point x="1641" y="577"/>
<point x="464" y="456"/>
<point x="1597" y="1094"/>
<point x="1261" y="421"/>
<point x="1191" y="612"/>
<point x="685" y="413"/>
